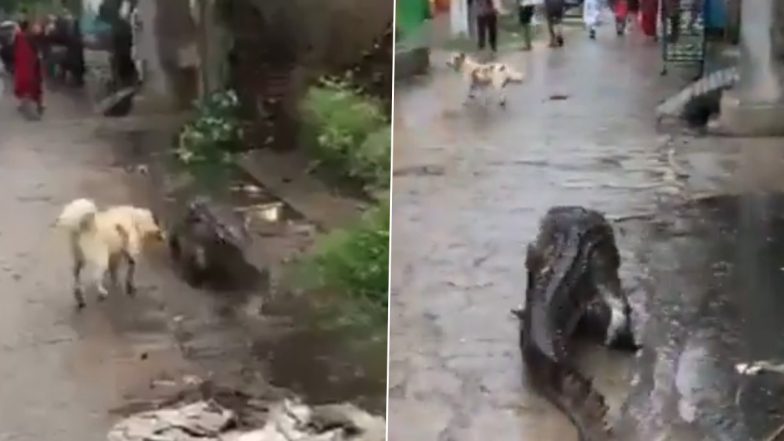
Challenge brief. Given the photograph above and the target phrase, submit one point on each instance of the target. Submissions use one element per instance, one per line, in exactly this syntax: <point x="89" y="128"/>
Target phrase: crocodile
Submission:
<point x="573" y="288"/>
<point x="208" y="245"/>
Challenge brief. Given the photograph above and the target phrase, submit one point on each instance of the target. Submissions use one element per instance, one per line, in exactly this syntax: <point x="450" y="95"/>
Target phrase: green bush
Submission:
<point x="351" y="130"/>
<point x="214" y="135"/>
<point x="373" y="159"/>
<point x="353" y="265"/>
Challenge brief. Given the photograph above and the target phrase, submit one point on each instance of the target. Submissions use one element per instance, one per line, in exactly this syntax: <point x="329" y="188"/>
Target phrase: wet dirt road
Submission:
<point x="68" y="375"/>
<point x="63" y="370"/>
<point x="470" y="186"/>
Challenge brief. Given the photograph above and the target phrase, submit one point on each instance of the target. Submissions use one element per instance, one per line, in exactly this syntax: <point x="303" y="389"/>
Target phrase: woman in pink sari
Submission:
<point x="28" y="79"/>
<point x="649" y="14"/>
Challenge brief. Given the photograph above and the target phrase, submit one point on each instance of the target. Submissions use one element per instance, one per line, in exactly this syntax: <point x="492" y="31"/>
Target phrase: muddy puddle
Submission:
<point x="718" y="300"/>
<point x="262" y="333"/>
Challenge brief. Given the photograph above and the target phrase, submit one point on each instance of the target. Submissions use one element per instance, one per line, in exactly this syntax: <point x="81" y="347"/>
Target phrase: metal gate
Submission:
<point x="683" y="33"/>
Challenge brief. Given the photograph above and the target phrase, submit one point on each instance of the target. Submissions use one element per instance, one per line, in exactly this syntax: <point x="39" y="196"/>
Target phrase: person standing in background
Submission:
<point x="649" y="12"/>
<point x="634" y="11"/>
<point x="526" y="10"/>
<point x="471" y="19"/>
<point x="49" y="32"/>
<point x="122" y="44"/>
<point x="621" y="11"/>
<point x="75" y="52"/>
<point x="592" y="13"/>
<point x="487" y="23"/>
<point x="554" y="10"/>
<point x="28" y="75"/>
<point x="671" y="13"/>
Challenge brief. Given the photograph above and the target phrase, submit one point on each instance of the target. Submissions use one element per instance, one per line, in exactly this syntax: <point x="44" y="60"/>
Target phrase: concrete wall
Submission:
<point x="761" y="46"/>
<point x="756" y="106"/>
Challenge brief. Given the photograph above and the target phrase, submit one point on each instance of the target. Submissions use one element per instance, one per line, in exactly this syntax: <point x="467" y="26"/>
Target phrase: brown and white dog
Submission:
<point x="484" y="76"/>
<point x="102" y="239"/>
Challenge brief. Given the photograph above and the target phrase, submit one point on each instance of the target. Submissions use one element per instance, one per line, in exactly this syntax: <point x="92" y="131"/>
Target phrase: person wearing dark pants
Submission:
<point x="487" y="24"/>
<point x="671" y="9"/>
<point x="554" y="10"/>
<point x="526" y="10"/>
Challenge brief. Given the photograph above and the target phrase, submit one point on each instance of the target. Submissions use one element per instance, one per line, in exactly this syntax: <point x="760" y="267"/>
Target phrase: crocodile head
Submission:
<point x="613" y="325"/>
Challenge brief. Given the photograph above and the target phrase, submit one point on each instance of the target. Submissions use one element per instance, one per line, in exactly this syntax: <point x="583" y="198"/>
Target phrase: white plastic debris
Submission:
<point x="757" y="367"/>
<point x="269" y="212"/>
<point x="203" y="421"/>
<point x="288" y="420"/>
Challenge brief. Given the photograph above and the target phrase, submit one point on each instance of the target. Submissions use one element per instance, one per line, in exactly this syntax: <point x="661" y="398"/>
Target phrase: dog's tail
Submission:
<point x="77" y="215"/>
<point x="515" y="76"/>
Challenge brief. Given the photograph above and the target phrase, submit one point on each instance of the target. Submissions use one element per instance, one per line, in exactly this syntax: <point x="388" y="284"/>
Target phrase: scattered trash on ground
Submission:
<point x="757" y="367"/>
<point x="288" y="420"/>
<point x="269" y="212"/>
<point x="198" y="421"/>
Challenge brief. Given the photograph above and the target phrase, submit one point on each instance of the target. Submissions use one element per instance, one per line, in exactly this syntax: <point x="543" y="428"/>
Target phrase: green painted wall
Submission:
<point x="411" y="15"/>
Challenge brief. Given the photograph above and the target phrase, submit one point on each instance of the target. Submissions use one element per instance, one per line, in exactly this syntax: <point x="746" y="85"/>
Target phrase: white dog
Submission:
<point x="494" y="76"/>
<point x="102" y="239"/>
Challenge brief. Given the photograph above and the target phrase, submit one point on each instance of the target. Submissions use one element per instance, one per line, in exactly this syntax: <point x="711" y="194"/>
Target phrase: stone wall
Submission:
<point x="338" y="31"/>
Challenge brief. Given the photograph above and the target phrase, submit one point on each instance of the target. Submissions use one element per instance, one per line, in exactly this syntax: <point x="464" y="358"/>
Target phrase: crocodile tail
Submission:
<point x="575" y="395"/>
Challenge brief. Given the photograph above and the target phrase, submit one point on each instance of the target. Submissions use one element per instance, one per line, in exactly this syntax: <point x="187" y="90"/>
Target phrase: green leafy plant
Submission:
<point x="215" y="133"/>
<point x="352" y="266"/>
<point x="205" y="146"/>
<point x="351" y="131"/>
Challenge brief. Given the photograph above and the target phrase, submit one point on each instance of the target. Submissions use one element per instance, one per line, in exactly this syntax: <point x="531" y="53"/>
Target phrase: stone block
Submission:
<point x="411" y="62"/>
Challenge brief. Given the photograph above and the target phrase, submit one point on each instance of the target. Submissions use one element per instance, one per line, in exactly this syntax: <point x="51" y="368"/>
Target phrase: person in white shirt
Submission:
<point x="592" y="12"/>
<point x="526" y="10"/>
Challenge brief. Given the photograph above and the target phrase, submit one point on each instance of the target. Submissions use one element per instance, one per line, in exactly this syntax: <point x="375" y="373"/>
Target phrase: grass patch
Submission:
<point x="351" y="131"/>
<point x="348" y="270"/>
<point x="351" y="268"/>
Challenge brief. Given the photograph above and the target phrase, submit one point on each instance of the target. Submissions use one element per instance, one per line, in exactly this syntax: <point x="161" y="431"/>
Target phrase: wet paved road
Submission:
<point x="470" y="186"/>
<point x="715" y="259"/>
